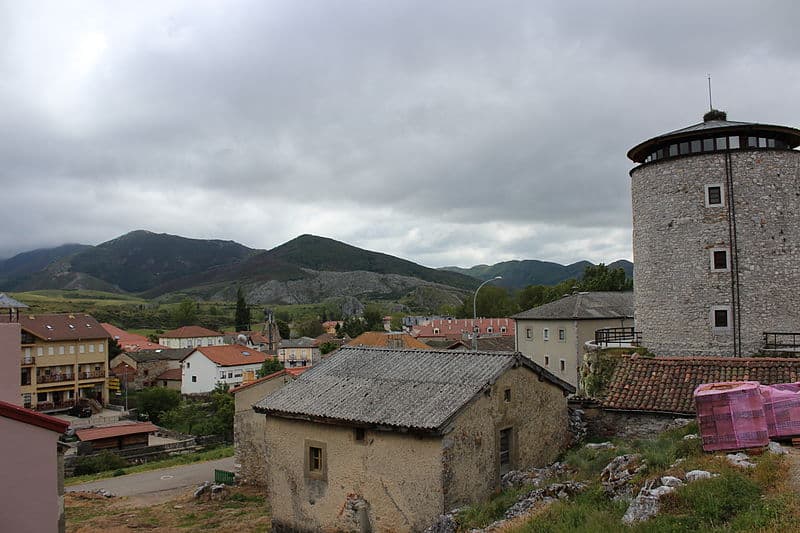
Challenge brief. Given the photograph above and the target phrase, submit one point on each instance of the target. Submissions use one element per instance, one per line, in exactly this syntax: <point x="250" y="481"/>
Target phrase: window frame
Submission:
<point x="508" y="452"/>
<point x="712" y="252"/>
<point x="320" y="473"/>
<point x="729" y="318"/>
<point x="545" y="334"/>
<point x="529" y="333"/>
<point x="721" y="187"/>
<point x="562" y="335"/>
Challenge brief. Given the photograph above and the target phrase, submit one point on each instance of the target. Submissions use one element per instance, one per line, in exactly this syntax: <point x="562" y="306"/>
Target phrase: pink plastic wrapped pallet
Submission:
<point x="782" y="409"/>
<point x="731" y="415"/>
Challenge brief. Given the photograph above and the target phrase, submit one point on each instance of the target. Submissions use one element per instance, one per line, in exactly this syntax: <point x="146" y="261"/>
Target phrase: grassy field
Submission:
<point x="759" y="499"/>
<point x="208" y="455"/>
<point x="61" y="301"/>
<point x="245" y="510"/>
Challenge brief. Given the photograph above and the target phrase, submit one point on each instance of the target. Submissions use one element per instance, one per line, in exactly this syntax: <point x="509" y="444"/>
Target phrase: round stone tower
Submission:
<point x="716" y="238"/>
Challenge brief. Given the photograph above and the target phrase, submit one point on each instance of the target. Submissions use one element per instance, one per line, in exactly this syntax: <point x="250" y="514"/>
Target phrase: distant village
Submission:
<point x="398" y="428"/>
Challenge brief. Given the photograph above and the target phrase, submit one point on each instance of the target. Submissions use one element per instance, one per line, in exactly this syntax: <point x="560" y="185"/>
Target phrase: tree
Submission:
<point x="114" y="349"/>
<point x="373" y="318"/>
<point x="155" y="401"/>
<point x="397" y="323"/>
<point x="602" y="278"/>
<point x="242" y="319"/>
<point x="310" y="327"/>
<point x="492" y="302"/>
<point x="270" y="366"/>
<point x="353" y="326"/>
<point x="327" y="347"/>
<point x="185" y="313"/>
<point x="283" y="329"/>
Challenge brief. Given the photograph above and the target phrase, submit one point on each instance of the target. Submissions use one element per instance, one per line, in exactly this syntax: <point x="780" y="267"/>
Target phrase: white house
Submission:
<point x="191" y="337"/>
<point x="206" y="366"/>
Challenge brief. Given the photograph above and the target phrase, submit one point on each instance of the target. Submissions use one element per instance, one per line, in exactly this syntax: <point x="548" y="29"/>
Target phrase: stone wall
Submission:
<point x="674" y="232"/>
<point x="605" y="424"/>
<point x="537" y="414"/>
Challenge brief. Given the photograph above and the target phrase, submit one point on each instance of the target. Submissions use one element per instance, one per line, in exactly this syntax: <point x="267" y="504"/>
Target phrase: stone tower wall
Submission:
<point x="674" y="232"/>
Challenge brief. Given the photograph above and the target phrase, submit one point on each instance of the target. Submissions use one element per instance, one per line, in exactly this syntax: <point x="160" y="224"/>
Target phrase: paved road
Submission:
<point x="166" y="479"/>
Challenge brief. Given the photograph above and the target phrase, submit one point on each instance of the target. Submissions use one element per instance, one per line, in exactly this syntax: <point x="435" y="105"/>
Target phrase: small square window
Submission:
<point x="733" y="143"/>
<point x="359" y="434"/>
<point x="194" y="379"/>
<point x="315" y="460"/>
<point x="722" y="143"/>
<point x="684" y="148"/>
<point x="708" y="145"/>
<point x="50" y="350"/>
<point x="752" y="142"/>
<point x="673" y="150"/>
<point x="721" y="317"/>
<point x="562" y="334"/>
<point x="719" y="260"/>
<point x="696" y="145"/>
<point x="714" y="196"/>
<point x="507" y="395"/>
<point x="503" y="329"/>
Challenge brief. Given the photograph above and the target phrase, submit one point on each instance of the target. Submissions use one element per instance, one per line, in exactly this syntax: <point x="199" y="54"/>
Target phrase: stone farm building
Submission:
<point x="144" y="368"/>
<point x="388" y="439"/>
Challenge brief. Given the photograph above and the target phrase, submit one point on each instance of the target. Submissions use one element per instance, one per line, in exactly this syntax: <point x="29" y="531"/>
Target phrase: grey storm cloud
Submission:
<point x="444" y="132"/>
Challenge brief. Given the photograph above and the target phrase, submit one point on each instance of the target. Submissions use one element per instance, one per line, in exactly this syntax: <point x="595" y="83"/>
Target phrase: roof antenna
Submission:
<point x="710" y="107"/>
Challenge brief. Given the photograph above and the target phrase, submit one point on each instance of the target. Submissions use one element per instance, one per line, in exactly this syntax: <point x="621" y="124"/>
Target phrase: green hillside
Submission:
<point x="320" y="253"/>
<point x="520" y="274"/>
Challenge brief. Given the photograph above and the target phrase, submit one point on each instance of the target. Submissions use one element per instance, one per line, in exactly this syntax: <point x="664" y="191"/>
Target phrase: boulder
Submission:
<point x="694" y="475"/>
<point x="775" y="448"/>
<point x="617" y="474"/>
<point x="646" y="504"/>
<point x="600" y="446"/>
<point x="742" y="460"/>
<point x="671" y="481"/>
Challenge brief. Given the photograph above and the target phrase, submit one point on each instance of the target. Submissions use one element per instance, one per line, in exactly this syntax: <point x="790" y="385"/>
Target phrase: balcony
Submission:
<point x="55" y="406"/>
<point x="54" y="378"/>
<point x="95" y="374"/>
<point x="617" y="338"/>
<point x="781" y="342"/>
<point x="28" y="361"/>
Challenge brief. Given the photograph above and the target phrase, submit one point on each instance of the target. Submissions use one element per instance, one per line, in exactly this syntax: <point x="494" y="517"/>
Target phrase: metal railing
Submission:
<point x="53" y="406"/>
<point x="617" y="337"/>
<point x="28" y="360"/>
<point x="54" y="378"/>
<point x="781" y="341"/>
<point x="93" y="374"/>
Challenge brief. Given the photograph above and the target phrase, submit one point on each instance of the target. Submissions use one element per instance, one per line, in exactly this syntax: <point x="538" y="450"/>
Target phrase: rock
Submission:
<point x="776" y="448"/>
<point x="445" y="524"/>
<point x="600" y="446"/>
<point x="177" y="506"/>
<point x="555" y="491"/>
<point x="202" y="489"/>
<point x="694" y="475"/>
<point x="691" y="436"/>
<point x="617" y="474"/>
<point x="105" y="493"/>
<point x="535" y="476"/>
<point x="646" y="504"/>
<point x="679" y="423"/>
<point x="742" y="460"/>
<point x="671" y="481"/>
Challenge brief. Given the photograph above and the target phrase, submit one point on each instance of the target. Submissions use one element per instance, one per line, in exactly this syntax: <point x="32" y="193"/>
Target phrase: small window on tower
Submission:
<point x="719" y="260"/>
<point x="721" y="318"/>
<point x="714" y="196"/>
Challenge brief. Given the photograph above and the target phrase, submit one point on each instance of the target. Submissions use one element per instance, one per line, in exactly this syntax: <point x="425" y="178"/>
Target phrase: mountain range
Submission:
<point x="307" y="269"/>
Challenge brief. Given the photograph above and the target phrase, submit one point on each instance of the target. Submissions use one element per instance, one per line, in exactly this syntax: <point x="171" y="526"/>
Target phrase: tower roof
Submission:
<point x="710" y="128"/>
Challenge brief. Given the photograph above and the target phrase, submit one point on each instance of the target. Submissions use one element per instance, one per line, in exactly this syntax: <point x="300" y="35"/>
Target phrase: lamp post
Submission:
<point x="475" y="312"/>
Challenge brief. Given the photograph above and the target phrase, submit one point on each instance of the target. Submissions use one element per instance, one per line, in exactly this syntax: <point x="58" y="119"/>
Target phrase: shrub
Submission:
<point x="101" y="462"/>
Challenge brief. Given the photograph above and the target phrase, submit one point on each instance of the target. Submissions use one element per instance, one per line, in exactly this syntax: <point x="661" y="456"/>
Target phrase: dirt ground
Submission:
<point x="243" y="510"/>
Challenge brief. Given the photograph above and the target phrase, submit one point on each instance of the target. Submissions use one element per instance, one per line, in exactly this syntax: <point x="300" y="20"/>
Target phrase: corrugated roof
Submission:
<point x="414" y="389"/>
<point x="7" y="302"/>
<point x="583" y="306"/>
<point x="666" y="384"/>
<point x="63" y="326"/>
<point x="115" y="431"/>
<point x="161" y="354"/>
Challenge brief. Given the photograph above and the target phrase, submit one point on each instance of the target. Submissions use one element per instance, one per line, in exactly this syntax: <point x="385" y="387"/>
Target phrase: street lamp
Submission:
<point x="475" y="312"/>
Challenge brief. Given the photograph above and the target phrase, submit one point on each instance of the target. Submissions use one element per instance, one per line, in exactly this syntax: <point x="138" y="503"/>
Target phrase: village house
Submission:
<point x="191" y="337"/>
<point x="454" y="329"/>
<point x="554" y="334"/>
<point x="229" y="364"/>
<point x="302" y="351"/>
<point x="387" y="440"/>
<point x="64" y="359"/>
<point x="144" y="368"/>
<point x="248" y="426"/>
<point x="170" y="379"/>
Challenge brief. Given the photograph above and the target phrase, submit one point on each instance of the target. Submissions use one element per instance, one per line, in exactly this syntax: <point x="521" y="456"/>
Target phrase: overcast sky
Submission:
<point x="448" y="133"/>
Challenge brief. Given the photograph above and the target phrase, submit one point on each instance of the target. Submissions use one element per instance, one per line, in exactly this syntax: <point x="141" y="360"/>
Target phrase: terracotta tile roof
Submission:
<point x="130" y="342"/>
<point x="173" y="374"/>
<point x="186" y="332"/>
<point x="63" y="326"/>
<point x="160" y="354"/>
<point x="454" y="328"/>
<point x="294" y="372"/>
<point x="231" y="355"/>
<point x="116" y="431"/>
<point x="666" y="384"/>
<point x="377" y="339"/>
<point x="20" y="414"/>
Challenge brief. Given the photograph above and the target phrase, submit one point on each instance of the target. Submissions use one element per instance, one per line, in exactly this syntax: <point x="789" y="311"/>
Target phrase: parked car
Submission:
<point x="81" y="411"/>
